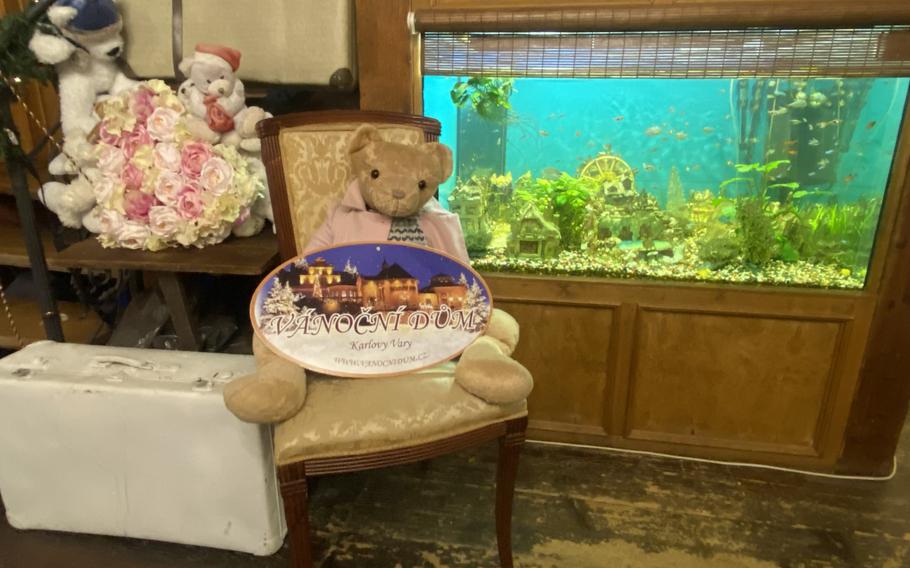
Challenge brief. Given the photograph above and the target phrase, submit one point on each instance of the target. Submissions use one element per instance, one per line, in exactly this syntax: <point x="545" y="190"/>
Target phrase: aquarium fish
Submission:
<point x="619" y="118"/>
<point x="829" y="152"/>
<point x="654" y="149"/>
<point x="577" y="133"/>
<point x="814" y="142"/>
<point x="825" y="124"/>
<point x="798" y="103"/>
<point x="727" y="117"/>
<point x="681" y="135"/>
<point x="550" y="173"/>
<point x="778" y="111"/>
<point x="653" y="131"/>
<point x="672" y="109"/>
<point x="845" y="272"/>
<point x="790" y="143"/>
<point x="696" y="167"/>
<point x="730" y="163"/>
<point x="728" y="140"/>
<point x="817" y="99"/>
<point x="556" y="115"/>
<point x="811" y="174"/>
<point x="871" y="125"/>
<point x="792" y="152"/>
<point x="708" y="130"/>
<point x="543" y="133"/>
<point x="608" y="148"/>
<point x="823" y="163"/>
<point x="849" y="179"/>
<point x="648" y="167"/>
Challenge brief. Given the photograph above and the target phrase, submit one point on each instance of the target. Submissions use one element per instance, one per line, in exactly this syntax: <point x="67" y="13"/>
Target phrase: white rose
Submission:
<point x="106" y="188"/>
<point x="133" y="235"/>
<point x="164" y="221"/>
<point x="216" y="176"/>
<point x="168" y="188"/>
<point x="167" y="157"/>
<point x="162" y="124"/>
<point x="110" y="160"/>
<point x="111" y="221"/>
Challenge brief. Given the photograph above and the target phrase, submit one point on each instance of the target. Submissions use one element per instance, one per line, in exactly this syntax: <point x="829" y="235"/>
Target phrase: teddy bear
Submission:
<point x="216" y="98"/>
<point x="390" y="198"/>
<point x="84" y="47"/>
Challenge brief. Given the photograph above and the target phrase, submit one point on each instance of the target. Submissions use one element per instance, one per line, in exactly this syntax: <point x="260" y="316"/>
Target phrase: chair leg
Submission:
<point x="294" y="493"/>
<point x="506" y="470"/>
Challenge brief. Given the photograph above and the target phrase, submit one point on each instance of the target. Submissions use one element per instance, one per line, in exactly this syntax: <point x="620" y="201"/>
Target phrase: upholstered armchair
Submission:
<point x="356" y="424"/>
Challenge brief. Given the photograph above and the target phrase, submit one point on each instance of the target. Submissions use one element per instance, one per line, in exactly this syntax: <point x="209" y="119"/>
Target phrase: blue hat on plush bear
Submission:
<point x="91" y="15"/>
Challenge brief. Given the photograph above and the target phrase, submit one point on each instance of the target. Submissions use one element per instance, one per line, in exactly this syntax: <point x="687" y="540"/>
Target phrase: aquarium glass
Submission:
<point x="776" y="180"/>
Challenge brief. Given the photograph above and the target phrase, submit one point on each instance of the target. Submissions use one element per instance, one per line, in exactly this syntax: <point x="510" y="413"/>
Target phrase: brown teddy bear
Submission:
<point x="390" y="197"/>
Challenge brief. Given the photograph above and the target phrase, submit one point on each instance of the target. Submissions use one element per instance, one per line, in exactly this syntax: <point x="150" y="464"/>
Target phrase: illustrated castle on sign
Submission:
<point x="392" y="287"/>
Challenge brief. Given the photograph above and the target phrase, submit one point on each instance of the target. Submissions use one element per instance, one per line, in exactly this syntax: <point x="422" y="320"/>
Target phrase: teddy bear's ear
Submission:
<point x="186" y="65"/>
<point x="442" y="154"/>
<point x="363" y="137"/>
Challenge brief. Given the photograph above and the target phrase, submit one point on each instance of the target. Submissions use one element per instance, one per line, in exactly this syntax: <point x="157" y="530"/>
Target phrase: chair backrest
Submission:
<point x="306" y="163"/>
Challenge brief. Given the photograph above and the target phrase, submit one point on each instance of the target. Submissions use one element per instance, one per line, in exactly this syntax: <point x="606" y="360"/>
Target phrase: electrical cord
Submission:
<point x="728" y="463"/>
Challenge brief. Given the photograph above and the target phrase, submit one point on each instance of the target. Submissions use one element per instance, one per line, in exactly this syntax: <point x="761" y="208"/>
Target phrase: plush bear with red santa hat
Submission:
<point x="216" y="97"/>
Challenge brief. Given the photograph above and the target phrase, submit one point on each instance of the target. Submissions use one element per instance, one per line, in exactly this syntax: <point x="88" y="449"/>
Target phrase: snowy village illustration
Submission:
<point x="371" y="309"/>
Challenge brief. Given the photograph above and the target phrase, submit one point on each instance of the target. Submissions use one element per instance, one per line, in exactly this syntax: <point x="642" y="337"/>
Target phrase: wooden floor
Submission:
<point x="574" y="508"/>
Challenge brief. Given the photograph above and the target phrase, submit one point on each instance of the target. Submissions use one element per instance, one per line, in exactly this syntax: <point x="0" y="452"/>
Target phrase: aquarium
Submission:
<point x="775" y="180"/>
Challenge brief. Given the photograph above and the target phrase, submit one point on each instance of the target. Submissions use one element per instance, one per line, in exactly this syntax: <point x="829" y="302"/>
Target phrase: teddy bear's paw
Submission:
<point x="504" y="329"/>
<point x="251" y="145"/>
<point x="485" y="372"/>
<point x="61" y="166"/>
<point x="265" y="399"/>
<point x="252" y="225"/>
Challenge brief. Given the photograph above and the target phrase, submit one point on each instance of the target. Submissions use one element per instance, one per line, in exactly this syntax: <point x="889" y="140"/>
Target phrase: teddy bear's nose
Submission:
<point x="397" y="194"/>
<point x="220" y="90"/>
<point x="114" y="52"/>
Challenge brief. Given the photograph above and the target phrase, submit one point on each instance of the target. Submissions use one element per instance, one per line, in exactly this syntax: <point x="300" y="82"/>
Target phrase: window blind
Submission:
<point x="709" y="40"/>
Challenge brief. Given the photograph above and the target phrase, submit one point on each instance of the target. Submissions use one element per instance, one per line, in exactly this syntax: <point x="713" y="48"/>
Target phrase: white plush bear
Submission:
<point x="85" y="55"/>
<point x="213" y="93"/>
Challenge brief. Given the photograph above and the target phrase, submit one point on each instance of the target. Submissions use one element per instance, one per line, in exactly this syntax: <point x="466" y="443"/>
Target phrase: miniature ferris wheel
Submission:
<point x="612" y="173"/>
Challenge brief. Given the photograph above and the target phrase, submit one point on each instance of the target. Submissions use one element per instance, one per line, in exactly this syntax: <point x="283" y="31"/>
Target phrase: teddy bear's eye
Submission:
<point x="222" y="77"/>
<point x="422" y="184"/>
<point x="374" y="174"/>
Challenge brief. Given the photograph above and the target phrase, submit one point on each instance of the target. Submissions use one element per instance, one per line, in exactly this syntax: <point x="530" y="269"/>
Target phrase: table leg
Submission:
<point x="181" y="315"/>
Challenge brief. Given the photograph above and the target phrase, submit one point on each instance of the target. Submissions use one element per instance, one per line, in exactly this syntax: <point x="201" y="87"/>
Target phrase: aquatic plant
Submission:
<point x="676" y="195"/>
<point x="488" y="96"/>
<point x="564" y="200"/>
<point x="719" y="248"/>
<point x="756" y="232"/>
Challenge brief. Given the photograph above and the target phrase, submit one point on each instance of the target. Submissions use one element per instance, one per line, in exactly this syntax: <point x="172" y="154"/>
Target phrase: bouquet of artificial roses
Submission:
<point x="159" y="187"/>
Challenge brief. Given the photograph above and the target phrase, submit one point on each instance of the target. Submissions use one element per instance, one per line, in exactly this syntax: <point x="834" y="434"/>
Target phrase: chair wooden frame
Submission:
<point x="294" y="477"/>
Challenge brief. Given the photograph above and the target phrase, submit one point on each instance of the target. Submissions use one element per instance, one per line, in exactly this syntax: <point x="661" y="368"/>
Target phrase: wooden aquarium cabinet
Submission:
<point x="816" y="379"/>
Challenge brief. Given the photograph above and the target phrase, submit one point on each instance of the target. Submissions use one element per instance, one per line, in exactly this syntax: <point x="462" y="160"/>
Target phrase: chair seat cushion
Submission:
<point x="357" y="416"/>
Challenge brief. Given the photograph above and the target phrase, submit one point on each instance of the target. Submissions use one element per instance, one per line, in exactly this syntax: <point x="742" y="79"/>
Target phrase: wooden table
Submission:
<point x="249" y="257"/>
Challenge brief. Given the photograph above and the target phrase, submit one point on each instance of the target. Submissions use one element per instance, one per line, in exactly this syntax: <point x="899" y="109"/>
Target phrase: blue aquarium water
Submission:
<point x="747" y="180"/>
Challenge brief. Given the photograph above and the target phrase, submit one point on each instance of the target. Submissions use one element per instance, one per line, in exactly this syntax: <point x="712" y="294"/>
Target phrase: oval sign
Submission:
<point x="371" y="309"/>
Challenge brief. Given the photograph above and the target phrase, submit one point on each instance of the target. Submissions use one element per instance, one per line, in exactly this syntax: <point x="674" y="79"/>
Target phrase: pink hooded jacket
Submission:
<point x="351" y="221"/>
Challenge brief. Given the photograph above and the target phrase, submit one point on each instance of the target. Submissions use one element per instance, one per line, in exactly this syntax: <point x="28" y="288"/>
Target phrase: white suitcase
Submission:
<point x="137" y="443"/>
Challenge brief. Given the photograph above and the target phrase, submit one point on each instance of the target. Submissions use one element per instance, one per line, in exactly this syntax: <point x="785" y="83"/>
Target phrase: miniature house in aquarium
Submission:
<point x="752" y="172"/>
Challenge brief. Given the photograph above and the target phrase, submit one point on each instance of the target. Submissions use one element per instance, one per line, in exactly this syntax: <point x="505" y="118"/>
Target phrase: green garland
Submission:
<point x="18" y="64"/>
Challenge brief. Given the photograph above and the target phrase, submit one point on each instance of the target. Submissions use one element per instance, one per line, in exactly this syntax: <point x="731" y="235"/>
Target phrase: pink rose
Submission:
<point x="216" y="176"/>
<point x="132" y="177"/>
<point x="132" y="235"/>
<point x="190" y="204"/>
<point x="110" y="160"/>
<point x="162" y="124"/>
<point x="164" y="221"/>
<point x="139" y="136"/>
<point x="167" y="157"/>
<point x="168" y="187"/>
<point x="193" y="157"/>
<point x="142" y="104"/>
<point x="109" y="137"/>
<point x="137" y="204"/>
